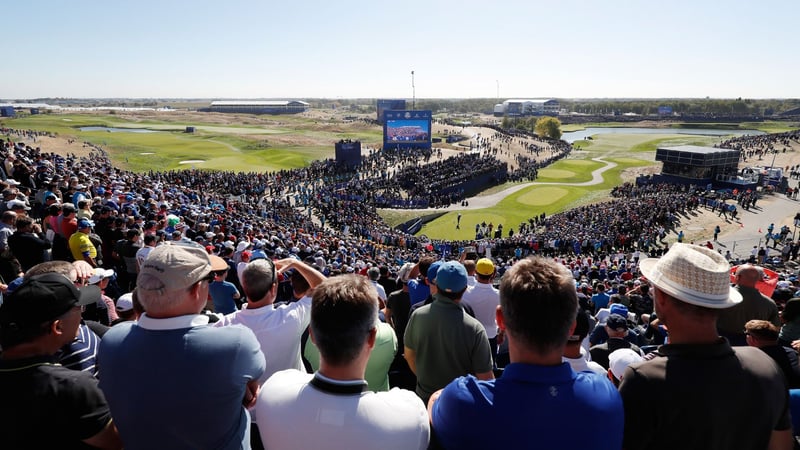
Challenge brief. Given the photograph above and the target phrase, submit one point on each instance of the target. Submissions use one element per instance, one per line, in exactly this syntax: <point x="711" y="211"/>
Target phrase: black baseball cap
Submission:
<point x="616" y="322"/>
<point x="42" y="298"/>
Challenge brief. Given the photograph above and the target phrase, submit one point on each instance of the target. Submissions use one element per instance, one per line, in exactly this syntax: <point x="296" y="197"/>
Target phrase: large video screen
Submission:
<point x="387" y="104"/>
<point x="407" y="128"/>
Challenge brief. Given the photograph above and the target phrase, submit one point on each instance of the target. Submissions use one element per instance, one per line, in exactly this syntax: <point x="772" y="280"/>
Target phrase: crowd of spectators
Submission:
<point x="758" y="146"/>
<point x="325" y="214"/>
<point x="333" y="209"/>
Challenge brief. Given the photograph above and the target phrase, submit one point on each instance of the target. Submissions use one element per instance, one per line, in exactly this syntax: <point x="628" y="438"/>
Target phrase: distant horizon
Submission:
<point x="502" y="99"/>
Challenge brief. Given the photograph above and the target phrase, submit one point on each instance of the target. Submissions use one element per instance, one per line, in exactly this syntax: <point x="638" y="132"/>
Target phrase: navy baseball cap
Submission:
<point x="617" y="322"/>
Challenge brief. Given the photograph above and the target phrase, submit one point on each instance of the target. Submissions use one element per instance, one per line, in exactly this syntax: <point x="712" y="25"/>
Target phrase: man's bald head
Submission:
<point x="747" y="275"/>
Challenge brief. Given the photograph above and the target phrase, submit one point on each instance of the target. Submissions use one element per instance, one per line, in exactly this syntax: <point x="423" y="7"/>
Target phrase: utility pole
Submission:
<point x="413" y="92"/>
<point x="498" y="89"/>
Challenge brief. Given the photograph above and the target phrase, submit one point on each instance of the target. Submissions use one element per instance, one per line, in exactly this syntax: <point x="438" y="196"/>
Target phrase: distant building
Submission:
<point x="532" y="107"/>
<point x="258" y="107"/>
<point x="7" y="111"/>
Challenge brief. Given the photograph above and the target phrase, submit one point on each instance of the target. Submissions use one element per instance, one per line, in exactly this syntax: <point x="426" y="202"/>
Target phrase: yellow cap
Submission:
<point x="484" y="267"/>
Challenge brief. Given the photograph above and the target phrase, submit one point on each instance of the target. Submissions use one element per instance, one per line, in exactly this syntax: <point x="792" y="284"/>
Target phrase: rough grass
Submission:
<point x="291" y="143"/>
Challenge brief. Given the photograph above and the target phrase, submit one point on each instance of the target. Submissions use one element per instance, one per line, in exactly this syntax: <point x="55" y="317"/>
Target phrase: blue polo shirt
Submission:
<point x="222" y="293"/>
<point x="418" y="291"/>
<point x="600" y="301"/>
<point x="530" y="407"/>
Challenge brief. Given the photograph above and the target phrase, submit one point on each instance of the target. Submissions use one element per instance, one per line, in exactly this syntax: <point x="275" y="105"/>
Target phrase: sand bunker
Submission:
<point x="192" y="161"/>
<point x="147" y="153"/>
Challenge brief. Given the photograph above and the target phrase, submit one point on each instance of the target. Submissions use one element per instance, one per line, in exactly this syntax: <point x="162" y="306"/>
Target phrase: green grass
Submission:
<point x="652" y="145"/>
<point x="770" y="126"/>
<point x="569" y="171"/>
<point x="636" y="143"/>
<point x="528" y="202"/>
<point x="696" y="125"/>
<point x="238" y="147"/>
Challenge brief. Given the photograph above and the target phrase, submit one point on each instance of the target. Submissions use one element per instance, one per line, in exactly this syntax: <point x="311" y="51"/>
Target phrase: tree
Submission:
<point x="549" y="127"/>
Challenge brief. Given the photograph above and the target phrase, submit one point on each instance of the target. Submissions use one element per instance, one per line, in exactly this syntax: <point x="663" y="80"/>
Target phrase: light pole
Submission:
<point x="413" y="92"/>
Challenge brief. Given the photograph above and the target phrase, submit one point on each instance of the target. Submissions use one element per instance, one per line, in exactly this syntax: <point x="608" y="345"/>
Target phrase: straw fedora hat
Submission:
<point x="693" y="274"/>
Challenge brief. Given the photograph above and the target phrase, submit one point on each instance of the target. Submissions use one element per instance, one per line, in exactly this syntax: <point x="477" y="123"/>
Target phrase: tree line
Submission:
<point x="738" y="106"/>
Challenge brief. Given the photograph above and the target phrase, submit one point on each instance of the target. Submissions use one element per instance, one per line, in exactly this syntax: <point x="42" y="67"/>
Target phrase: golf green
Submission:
<point x="541" y="196"/>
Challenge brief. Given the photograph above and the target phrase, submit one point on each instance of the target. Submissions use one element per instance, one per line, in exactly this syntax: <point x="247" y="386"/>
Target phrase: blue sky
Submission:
<point x="348" y="49"/>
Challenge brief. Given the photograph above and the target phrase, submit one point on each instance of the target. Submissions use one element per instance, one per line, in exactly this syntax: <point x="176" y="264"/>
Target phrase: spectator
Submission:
<point x="754" y="306"/>
<point x="574" y="352"/>
<point x="389" y="284"/>
<point x="141" y="254"/>
<point x="483" y="298"/>
<point x="158" y="368"/>
<point x="617" y="329"/>
<point x="374" y="275"/>
<point x="698" y="378"/>
<point x="396" y="313"/>
<point x="81" y="352"/>
<point x="539" y="398"/>
<point x="28" y="243"/>
<point x="641" y="300"/>
<point x="125" y="258"/>
<point x="790" y="330"/>
<point x="419" y="290"/>
<point x="389" y="420"/>
<point x="600" y="298"/>
<point x="278" y="329"/>
<point x="442" y="342"/>
<point x="398" y="304"/>
<point x="618" y="361"/>
<point x="470" y="265"/>
<point x="764" y="335"/>
<point x="125" y="309"/>
<point x="380" y="359"/>
<point x="104" y="311"/>
<point x="81" y="246"/>
<point x="223" y="293"/>
<point x="8" y="221"/>
<point x="46" y="405"/>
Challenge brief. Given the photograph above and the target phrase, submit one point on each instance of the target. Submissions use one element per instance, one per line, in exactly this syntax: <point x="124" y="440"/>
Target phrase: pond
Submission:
<point x="583" y="134"/>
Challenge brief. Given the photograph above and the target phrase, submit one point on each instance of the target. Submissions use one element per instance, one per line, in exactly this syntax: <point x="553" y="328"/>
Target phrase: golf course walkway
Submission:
<point x="486" y="201"/>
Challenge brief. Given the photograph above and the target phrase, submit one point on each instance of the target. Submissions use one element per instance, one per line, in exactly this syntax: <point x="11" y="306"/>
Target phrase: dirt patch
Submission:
<point x="60" y="146"/>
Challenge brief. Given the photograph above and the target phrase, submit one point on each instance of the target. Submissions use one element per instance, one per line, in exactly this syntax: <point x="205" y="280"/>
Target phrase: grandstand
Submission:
<point x="702" y="166"/>
<point x="521" y="107"/>
<point x="258" y="107"/>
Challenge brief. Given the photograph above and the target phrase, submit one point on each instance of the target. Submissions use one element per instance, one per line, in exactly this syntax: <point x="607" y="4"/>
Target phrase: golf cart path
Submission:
<point x="486" y="201"/>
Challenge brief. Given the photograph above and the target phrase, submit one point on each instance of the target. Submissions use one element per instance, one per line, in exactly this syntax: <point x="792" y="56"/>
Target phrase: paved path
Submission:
<point x="486" y="201"/>
<point x="775" y="208"/>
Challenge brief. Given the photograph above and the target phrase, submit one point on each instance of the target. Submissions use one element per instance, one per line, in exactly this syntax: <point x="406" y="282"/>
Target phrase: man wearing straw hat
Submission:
<point x="698" y="391"/>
